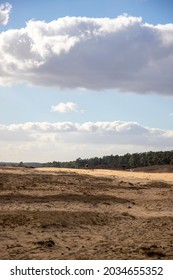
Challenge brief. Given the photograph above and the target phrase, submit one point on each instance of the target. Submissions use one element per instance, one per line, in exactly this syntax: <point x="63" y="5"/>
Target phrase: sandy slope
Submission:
<point x="127" y="175"/>
<point x="85" y="214"/>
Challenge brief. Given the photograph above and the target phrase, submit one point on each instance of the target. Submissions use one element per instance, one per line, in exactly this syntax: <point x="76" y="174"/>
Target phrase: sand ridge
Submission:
<point x="127" y="175"/>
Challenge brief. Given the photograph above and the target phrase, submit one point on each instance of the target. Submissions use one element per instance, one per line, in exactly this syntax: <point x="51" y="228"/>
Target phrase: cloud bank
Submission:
<point x="5" y="10"/>
<point x="42" y="141"/>
<point x="93" y="53"/>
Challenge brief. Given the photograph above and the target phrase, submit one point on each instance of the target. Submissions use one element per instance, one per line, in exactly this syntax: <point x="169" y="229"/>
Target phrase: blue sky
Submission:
<point x="85" y="78"/>
<point x="153" y="11"/>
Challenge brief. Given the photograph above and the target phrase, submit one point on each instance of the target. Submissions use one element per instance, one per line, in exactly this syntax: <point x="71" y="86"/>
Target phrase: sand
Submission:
<point x="53" y="213"/>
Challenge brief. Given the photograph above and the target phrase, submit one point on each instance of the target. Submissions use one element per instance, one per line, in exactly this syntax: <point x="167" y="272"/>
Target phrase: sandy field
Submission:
<point x="52" y="213"/>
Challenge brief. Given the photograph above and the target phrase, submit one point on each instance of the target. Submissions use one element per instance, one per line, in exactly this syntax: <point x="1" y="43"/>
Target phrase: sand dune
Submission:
<point x="53" y="213"/>
<point x="120" y="174"/>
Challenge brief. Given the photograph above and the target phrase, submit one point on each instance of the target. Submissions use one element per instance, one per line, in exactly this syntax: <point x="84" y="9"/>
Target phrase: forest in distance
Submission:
<point x="117" y="162"/>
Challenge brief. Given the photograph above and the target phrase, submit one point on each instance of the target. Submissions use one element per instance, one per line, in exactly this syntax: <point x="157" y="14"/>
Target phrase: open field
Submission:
<point x="52" y="213"/>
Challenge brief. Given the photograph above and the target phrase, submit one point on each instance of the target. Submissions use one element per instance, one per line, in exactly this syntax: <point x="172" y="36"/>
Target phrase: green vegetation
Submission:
<point x="126" y="161"/>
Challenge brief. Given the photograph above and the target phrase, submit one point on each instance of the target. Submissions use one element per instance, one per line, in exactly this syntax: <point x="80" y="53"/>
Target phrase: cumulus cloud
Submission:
<point x="42" y="141"/>
<point x="4" y="13"/>
<point x="93" y="53"/>
<point x="64" y="107"/>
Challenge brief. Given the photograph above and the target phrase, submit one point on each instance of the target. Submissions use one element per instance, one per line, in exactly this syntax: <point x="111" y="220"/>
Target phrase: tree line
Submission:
<point x="126" y="161"/>
<point x="119" y="162"/>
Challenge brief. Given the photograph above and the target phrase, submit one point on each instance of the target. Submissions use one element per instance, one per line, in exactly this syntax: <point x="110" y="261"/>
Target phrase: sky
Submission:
<point x="85" y="78"/>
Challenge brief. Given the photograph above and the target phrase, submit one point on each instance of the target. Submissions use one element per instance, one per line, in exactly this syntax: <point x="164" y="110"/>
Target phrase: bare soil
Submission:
<point x="85" y="214"/>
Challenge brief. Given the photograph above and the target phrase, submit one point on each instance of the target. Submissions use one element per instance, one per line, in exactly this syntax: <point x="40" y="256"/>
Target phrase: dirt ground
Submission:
<point x="85" y="214"/>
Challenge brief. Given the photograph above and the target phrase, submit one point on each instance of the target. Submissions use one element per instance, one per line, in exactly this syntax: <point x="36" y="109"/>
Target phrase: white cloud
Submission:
<point x="42" y="141"/>
<point x="171" y="114"/>
<point x="93" y="53"/>
<point x="64" y="107"/>
<point x="4" y="13"/>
